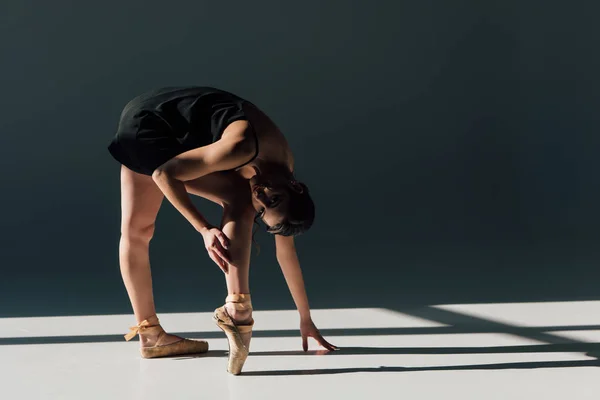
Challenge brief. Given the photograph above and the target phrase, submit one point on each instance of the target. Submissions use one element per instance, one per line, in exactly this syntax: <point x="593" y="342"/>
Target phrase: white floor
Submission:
<point x="483" y="352"/>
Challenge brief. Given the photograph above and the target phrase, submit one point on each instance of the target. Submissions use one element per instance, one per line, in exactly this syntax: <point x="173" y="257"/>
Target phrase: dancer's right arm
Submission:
<point x="215" y="241"/>
<point x="235" y="147"/>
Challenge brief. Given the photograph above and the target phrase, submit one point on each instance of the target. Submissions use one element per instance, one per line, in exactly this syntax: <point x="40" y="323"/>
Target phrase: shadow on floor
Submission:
<point x="494" y="328"/>
<point x="519" y="365"/>
<point x="565" y="348"/>
<point x="590" y="349"/>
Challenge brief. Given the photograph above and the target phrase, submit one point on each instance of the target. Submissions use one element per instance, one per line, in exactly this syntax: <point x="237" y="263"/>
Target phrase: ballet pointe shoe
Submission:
<point x="178" y="348"/>
<point x="238" y="351"/>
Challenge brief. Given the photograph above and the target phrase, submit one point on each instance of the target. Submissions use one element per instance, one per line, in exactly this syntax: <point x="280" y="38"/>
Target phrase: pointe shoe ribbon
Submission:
<point x="239" y="302"/>
<point x="134" y="330"/>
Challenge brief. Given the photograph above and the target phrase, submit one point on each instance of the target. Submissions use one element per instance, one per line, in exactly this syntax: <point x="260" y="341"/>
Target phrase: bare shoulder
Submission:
<point x="237" y="130"/>
<point x="241" y="134"/>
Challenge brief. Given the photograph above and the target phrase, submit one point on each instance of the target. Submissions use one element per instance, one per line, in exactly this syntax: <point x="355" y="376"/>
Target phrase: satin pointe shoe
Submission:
<point x="178" y="348"/>
<point x="238" y="335"/>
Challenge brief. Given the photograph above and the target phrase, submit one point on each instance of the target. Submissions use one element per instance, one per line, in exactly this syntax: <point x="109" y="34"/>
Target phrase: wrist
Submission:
<point x="305" y="315"/>
<point x="202" y="229"/>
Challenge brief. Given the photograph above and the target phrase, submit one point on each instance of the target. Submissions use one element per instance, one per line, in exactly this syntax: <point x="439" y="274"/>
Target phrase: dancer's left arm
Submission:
<point x="287" y="258"/>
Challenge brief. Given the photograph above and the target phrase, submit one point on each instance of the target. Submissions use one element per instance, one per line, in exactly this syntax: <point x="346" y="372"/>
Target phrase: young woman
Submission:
<point x="210" y="143"/>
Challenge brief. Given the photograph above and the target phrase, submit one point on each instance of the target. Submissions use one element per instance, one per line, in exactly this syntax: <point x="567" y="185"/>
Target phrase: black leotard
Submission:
<point x="158" y="125"/>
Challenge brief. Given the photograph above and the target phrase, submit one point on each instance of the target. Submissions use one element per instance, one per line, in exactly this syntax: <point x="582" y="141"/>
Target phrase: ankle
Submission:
<point x="148" y="339"/>
<point x="150" y="335"/>
<point x="239" y="316"/>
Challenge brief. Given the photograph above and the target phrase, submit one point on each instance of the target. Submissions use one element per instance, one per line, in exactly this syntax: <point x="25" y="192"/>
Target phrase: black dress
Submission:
<point x="163" y="123"/>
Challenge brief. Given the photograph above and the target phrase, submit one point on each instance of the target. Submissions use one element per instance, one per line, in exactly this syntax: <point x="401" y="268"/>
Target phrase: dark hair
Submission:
<point x="300" y="216"/>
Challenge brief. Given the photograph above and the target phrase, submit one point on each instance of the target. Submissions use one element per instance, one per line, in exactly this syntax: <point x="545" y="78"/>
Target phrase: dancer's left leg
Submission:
<point x="235" y="317"/>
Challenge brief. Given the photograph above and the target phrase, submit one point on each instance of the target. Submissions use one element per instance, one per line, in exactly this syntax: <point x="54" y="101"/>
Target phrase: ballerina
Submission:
<point x="203" y="141"/>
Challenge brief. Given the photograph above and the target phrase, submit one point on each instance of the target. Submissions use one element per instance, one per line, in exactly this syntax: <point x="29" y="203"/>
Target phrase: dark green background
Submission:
<point x="451" y="147"/>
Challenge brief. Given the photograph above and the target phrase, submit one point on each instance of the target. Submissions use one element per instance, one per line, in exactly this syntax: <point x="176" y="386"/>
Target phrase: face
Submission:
<point x="270" y="202"/>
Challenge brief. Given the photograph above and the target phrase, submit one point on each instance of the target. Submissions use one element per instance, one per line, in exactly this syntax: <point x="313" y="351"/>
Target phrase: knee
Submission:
<point x="137" y="232"/>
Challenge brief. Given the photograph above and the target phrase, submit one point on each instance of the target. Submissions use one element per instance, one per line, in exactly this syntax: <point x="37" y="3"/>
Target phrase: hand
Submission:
<point x="216" y="244"/>
<point x="308" y="328"/>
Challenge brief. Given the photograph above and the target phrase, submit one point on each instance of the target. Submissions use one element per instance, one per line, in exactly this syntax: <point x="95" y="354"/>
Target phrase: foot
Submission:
<point x="149" y="340"/>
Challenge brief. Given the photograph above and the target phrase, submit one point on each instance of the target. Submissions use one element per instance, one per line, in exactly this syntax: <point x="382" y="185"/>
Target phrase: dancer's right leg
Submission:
<point x="140" y="202"/>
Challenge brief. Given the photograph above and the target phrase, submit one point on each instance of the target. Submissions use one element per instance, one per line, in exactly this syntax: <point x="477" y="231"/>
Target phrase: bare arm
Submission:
<point x="290" y="266"/>
<point x="234" y="148"/>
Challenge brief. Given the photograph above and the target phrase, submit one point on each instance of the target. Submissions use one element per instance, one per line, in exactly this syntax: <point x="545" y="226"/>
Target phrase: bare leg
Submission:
<point x="140" y="202"/>
<point x="237" y="225"/>
<point x="232" y="192"/>
<point x="235" y="319"/>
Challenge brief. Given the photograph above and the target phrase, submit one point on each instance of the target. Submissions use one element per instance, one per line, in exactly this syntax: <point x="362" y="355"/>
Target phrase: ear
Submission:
<point x="296" y="186"/>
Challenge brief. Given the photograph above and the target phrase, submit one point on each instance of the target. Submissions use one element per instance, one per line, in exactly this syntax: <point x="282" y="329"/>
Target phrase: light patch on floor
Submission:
<point x="392" y="360"/>
<point x="533" y="314"/>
